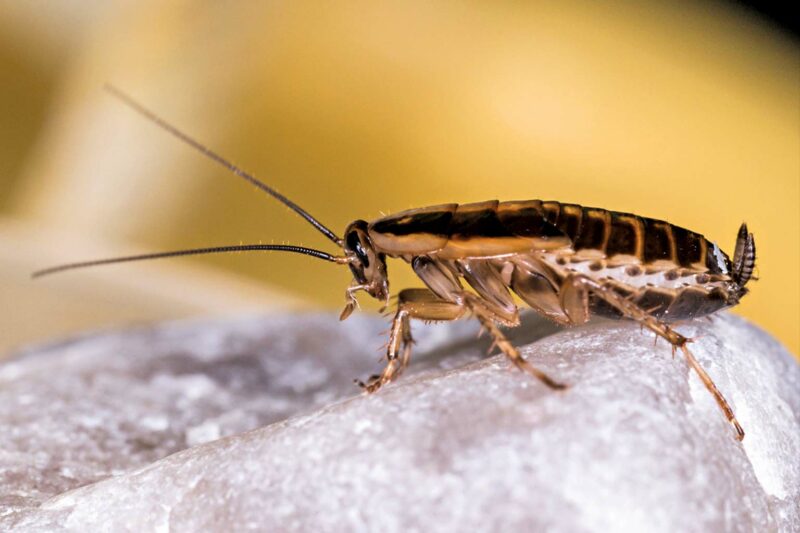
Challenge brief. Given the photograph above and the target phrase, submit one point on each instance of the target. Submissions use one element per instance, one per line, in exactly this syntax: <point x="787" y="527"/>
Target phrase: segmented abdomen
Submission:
<point x="453" y="231"/>
<point x="624" y="235"/>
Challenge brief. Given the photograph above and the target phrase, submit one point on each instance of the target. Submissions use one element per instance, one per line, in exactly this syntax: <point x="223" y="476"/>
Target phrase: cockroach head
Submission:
<point x="366" y="263"/>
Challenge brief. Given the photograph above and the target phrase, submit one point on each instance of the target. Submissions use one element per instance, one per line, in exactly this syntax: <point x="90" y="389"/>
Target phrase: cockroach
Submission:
<point x="565" y="261"/>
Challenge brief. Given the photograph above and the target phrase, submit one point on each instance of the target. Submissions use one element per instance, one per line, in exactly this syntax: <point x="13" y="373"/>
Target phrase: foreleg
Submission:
<point x="411" y="303"/>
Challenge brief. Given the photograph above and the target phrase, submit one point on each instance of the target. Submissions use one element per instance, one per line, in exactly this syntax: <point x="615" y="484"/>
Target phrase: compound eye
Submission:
<point x="354" y="244"/>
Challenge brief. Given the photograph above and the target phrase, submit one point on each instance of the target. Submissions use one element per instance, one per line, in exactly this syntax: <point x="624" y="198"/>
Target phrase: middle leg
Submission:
<point x="489" y="317"/>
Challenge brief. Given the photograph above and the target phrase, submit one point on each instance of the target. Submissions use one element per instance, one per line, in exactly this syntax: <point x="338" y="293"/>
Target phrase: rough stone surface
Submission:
<point x="254" y="424"/>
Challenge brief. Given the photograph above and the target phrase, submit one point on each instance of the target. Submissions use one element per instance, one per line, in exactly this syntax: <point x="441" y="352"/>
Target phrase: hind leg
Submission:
<point x="585" y="285"/>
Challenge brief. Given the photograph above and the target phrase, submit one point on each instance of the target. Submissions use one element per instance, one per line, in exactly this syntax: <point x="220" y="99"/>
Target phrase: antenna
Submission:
<point x="195" y="251"/>
<point x="136" y="106"/>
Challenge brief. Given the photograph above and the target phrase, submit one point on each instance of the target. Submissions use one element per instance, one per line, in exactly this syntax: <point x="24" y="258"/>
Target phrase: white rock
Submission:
<point x="635" y="444"/>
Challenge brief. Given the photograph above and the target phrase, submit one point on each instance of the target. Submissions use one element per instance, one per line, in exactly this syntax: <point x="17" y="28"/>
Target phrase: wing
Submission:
<point x="452" y="231"/>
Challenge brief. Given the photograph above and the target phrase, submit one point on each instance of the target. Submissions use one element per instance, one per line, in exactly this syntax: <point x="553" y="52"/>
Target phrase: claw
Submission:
<point x="372" y="384"/>
<point x="348" y="310"/>
<point x="739" y="430"/>
<point x="351" y="302"/>
<point x="555" y="385"/>
<point x="525" y="366"/>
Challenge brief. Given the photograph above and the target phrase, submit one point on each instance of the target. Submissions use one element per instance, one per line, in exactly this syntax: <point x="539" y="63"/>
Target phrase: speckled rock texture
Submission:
<point x="254" y="424"/>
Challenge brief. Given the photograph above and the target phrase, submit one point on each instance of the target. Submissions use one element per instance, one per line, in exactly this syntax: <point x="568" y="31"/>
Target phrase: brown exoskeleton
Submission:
<point x="565" y="261"/>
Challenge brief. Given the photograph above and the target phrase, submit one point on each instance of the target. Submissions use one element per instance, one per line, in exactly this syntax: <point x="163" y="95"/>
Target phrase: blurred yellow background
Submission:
<point x="688" y="112"/>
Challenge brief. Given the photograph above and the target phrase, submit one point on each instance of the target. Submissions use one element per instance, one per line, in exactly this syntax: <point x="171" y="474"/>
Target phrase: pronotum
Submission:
<point x="565" y="261"/>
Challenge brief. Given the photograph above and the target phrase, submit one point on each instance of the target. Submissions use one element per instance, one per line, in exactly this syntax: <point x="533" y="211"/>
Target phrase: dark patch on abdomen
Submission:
<point x="527" y="221"/>
<point x="688" y="246"/>
<point x="551" y="211"/>
<point x="656" y="241"/>
<point x="694" y="302"/>
<point x="623" y="238"/>
<point x="593" y="230"/>
<point x="655" y="301"/>
<point x="569" y="222"/>
<point x="600" y="307"/>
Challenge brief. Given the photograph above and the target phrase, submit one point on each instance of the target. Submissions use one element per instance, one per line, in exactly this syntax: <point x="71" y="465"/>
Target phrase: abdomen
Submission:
<point x="670" y="271"/>
<point x="488" y="229"/>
